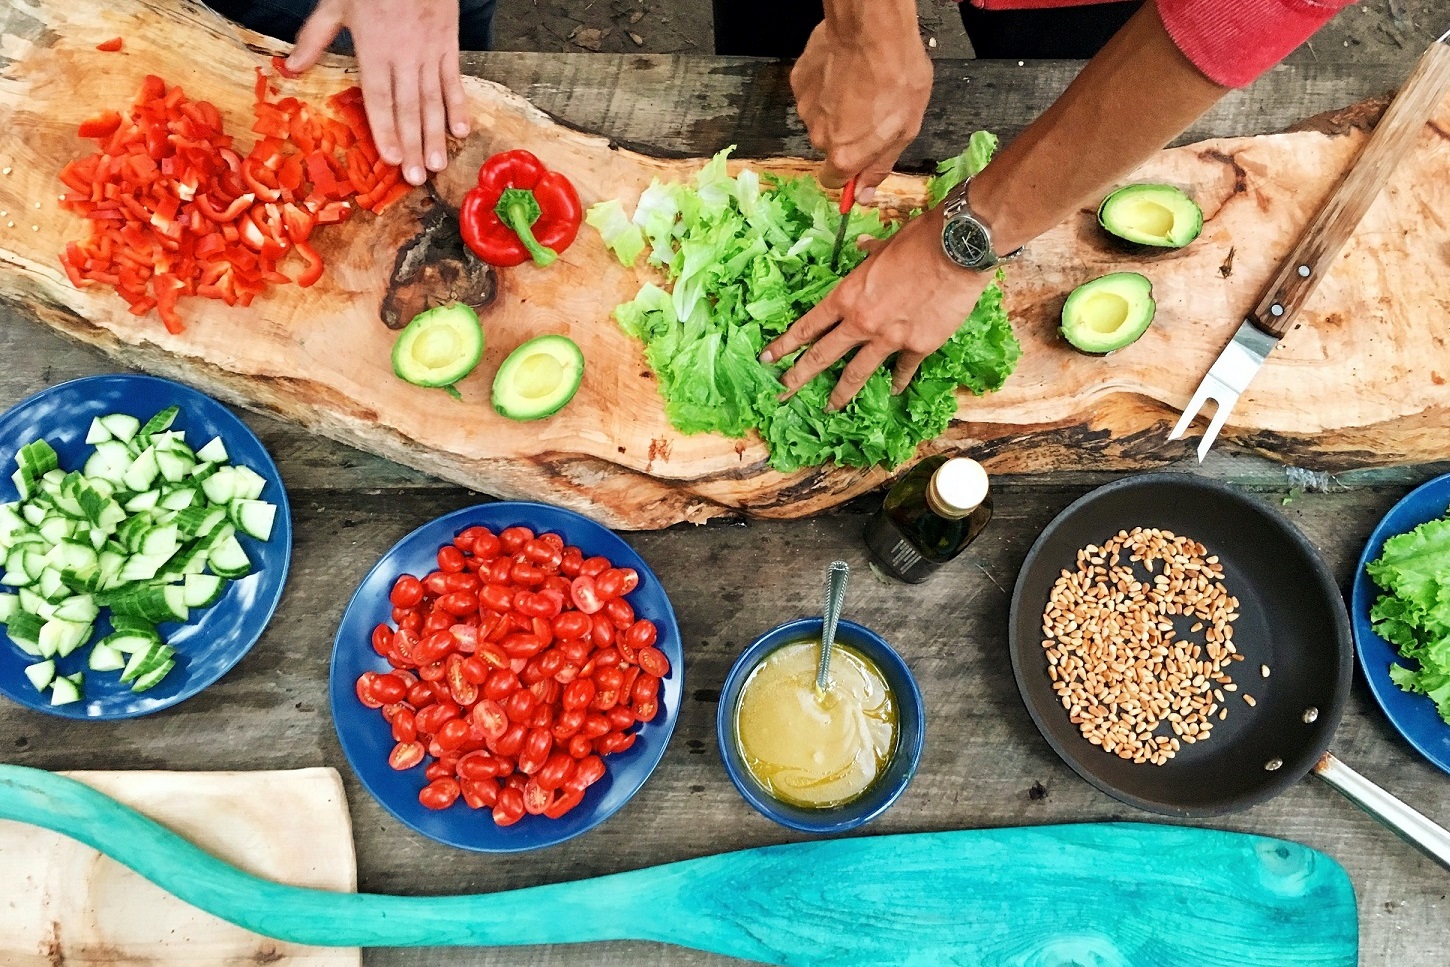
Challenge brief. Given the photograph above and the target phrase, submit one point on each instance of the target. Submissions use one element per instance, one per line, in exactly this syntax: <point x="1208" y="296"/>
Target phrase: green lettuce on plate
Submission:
<point x="746" y="256"/>
<point x="1414" y="613"/>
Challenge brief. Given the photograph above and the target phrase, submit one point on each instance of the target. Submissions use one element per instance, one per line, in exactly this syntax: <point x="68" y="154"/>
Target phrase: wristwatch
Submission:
<point x="965" y="238"/>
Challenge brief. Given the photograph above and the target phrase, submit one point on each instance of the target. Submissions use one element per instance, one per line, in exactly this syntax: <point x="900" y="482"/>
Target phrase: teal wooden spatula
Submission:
<point x="1090" y="895"/>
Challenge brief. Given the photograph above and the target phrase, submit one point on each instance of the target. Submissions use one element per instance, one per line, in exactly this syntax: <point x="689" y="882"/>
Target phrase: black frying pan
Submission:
<point x="1292" y="618"/>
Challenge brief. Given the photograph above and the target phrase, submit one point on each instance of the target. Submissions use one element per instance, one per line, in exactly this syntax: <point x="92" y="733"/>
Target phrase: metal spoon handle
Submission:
<point x="835" y="595"/>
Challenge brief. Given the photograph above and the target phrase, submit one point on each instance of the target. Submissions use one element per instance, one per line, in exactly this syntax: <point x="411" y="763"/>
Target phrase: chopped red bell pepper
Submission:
<point x="109" y="46"/>
<point x="103" y="125"/>
<point x="519" y="210"/>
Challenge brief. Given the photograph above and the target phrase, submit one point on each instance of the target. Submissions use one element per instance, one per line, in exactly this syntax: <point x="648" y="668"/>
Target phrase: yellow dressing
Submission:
<point x="812" y="749"/>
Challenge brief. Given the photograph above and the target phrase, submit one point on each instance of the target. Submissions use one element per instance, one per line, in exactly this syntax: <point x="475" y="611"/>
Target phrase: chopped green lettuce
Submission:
<point x="1414" y="614"/>
<point x="621" y="236"/>
<point x="748" y="255"/>
<point x="954" y="171"/>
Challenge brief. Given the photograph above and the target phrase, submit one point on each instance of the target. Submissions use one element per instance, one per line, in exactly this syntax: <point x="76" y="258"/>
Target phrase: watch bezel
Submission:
<point x="957" y="215"/>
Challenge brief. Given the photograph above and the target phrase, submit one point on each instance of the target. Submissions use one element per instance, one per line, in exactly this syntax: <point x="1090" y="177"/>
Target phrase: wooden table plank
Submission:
<point x="985" y="764"/>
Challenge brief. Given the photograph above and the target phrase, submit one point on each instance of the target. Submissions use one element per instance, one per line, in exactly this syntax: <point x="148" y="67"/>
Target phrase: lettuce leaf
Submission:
<point x="954" y="171"/>
<point x="746" y="257"/>
<point x="1414" y="615"/>
<point x="621" y="236"/>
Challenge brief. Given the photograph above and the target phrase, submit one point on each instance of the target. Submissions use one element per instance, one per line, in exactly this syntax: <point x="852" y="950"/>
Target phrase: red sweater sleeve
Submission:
<point x="1234" y="41"/>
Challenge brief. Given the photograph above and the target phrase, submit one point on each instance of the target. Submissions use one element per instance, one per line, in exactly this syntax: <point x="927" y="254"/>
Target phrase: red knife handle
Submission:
<point x="848" y="196"/>
<point x="1393" y="138"/>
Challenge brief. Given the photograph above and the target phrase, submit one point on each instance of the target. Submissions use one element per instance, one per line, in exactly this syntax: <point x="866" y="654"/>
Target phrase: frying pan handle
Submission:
<point x="1409" y="824"/>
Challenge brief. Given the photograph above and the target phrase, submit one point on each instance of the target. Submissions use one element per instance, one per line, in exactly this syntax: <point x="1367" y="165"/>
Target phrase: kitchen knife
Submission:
<point x="1300" y="273"/>
<point x="848" y="198"/>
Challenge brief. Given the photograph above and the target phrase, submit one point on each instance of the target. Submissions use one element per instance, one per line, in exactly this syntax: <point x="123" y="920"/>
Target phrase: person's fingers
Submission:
<point x="866" y="361"/>
<point x="870" y="244"/>
<point x="453" y="96"/>
<point x="906" y="366"/>
<point x="831" y="175"/>
<point x="825" y="351"/>
<point x="808" y="328"/>
<point x="377" y="87"/>
<point x="408" y="119"/>
<point x="866" y="195"/>
<point x="435" y="133"/>
<point x="875" y="173"/>
<point x="315" y="36"/>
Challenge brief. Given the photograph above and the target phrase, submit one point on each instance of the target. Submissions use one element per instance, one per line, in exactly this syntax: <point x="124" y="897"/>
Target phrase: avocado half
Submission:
<point x="439" y="347"/>
<point x="1158" y="215"/>
<point x="538" y="378"/>
<point x="1108" y="313"/>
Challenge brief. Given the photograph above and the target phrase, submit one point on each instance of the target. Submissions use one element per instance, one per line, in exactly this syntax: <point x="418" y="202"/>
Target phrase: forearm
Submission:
<point x="1134" y="97"/>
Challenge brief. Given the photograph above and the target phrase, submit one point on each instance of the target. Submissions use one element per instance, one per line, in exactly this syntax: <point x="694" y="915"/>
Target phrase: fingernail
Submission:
<point x="460" y="129"/>
<point x="767" y="357"/>
<point x="415" y="175"/>
<point x="290" y="64"/>
<point x="391" y="155"/>
<point x="865" y="195"/>
<point x="437" y="162"/>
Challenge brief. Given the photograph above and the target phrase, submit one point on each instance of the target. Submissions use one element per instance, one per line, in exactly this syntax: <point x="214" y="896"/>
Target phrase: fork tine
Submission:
<point x="1220" y="416"/>
<point x="1200" y="397"/>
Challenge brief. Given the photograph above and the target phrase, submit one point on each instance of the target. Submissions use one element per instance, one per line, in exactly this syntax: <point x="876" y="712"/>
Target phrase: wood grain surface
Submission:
<point x="985" y="765"/>
<point x="321" y="357"/>
<point x="67" y="904"/>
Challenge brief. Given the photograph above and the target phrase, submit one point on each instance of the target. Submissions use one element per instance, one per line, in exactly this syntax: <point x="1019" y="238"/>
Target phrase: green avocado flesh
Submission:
<point x="538" y="378"/>
<point x="439" y="347"/>
<point x="1108" y="313"/>
<point x="1158" y="215"/>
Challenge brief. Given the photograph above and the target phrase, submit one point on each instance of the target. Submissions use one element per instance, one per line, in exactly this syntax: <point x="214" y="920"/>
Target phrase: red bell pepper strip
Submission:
<point x="279" y="64"/>
<point x="109" y="46"/>
<point x="103" y="125"/>
<point x="519" y="210"/>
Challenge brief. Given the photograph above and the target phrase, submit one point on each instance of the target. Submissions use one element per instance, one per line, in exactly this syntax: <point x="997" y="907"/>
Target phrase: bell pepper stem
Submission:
<point x="519" y="209"/>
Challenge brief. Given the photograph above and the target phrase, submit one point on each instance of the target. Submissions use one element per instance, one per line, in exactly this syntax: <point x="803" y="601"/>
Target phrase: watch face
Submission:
<point x="966" y="242"/>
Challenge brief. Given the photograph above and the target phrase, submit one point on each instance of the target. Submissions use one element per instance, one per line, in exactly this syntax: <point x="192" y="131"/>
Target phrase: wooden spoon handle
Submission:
<point x="1309" y="261"/>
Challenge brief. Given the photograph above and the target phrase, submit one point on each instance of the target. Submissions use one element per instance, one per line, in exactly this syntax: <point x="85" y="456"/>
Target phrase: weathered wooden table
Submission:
<point x="985" y="764"/>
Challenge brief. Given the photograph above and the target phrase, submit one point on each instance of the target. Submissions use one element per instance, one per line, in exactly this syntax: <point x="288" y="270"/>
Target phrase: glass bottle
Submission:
<point x="929" y="517"/>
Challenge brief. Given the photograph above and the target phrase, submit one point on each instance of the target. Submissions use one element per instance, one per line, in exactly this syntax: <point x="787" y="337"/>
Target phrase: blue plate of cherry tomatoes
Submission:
<point x="493" y="664"/>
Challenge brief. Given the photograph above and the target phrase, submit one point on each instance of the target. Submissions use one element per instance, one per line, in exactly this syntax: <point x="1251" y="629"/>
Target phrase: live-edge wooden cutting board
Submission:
<point x="1364" y="381"/>
<point x="64" y="903"/>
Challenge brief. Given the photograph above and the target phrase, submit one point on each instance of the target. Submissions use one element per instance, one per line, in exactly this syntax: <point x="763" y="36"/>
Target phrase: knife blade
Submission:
<point x="848" y="199"/>
<point x="1300" y="273"/>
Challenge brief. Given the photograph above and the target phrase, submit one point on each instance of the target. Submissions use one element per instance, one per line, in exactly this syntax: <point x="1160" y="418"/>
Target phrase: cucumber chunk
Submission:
<point x="229" y="560"/>
<point x="98" y="432"/>
<point x="121" y="426"/>
<point x="41" y="674"/>
<point x="214" y="452"/>
<point x="153" y="677"/>
<point x="64" y="691"/>
<point x="253" y="517"/>
<point x="203" y="590"/>
<point x="142" y="472"/>
<point x="104" y="658"/>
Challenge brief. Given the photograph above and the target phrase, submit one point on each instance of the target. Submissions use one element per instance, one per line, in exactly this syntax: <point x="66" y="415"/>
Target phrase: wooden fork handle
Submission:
<point x="1394" y="136"/>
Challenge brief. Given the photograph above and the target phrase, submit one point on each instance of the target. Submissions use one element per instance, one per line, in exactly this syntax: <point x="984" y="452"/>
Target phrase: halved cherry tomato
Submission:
<point x="489" y="718"/>
<point x="536" y="798"/>
<point x="567" y="723"/>
<point x="646" y="710"/>
<point x="509" y="808"/>
<point x="404" y="728"/>
<point x="514" y="538"/>
<point x="620" y="612"/>
<point x="594" y="566"/>
<point x="479" y="793"/>
<point x="580" y="746"/>
<point x="589" y="771"/>
<point x="654" y="662"/>
<point x="586" y="595"/>
<point x="566" y="801"/>
<point x="646" y="687"/>
<point x="556" y="771"/>
<point x="603" y="632"/>
<point x="641" y="634"/>
<point x="405" y="755"/>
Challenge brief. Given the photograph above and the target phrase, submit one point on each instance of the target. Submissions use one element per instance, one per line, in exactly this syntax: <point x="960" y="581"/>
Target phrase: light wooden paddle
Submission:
<point x="1117" y="895"/>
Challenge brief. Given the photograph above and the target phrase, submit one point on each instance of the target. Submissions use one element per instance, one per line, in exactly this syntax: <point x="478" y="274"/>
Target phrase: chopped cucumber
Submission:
<point x="121" y="426"/>
<point x="9" y="604"/>
<point x="161" y="421"/>
<point x="41" y="674"/>
<point x="203" y="590"/>
<point x="146" y="500"/>
<point x="63" y="691"/>
<point x="229" y="560"/>
<point x="98" y="432"/>
<point x="142" y="472"/>
<point x="253" y="517"/>
<point x="174" y="466"/>
<point x="153" y="677"/>
<point x="104" y="658"/>
<point x="214" y="452"/>
<point x="109" y="462"/>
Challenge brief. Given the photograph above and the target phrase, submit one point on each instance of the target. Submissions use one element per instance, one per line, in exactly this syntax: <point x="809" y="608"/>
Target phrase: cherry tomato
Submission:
<point x="574" y="649"/>
<point x="609" y="679"/>
<point x="413" y="621"/>
<point x="535" y="751"/>
<point x="429" y="720"/>
<point x="641" y="634"/>
<point x="516" y="780"/>
<point x="654" y="662"/>
<point x="607" y="658"/>
<point x="594" y="566"/>
<point x="614" y="742"/>
<point x="631" y="579"/>
<point x="509" y="808"/>
<point x="463" y="690"/>
<point x="514" y="538"/>
<point x="518" y="705"/>
<point x="476" y="670"/>
<point x="479" y="793"/>
<point x="620" y="612"/>
<point x="501" y="684"/>
<point x="610" y="583"/>
<point x="487" y="547"/>
<point x="435" y="622"/>
<point x="537" y="799"/>
<point x="594" y="725"/>
<point x="553" y="540"/>
<point x="453" y="733"/>
<point x="462" y="581"/>
<point x="580" y="746"/>
<point x="434" y="647"/>
<point x="496" y="597"/>
<point x="405" y="755"/>
<point x="547" y="691"/>
<point x="570" y="624"/>
<point x="550" y="660"/>
<point x="603" y="633"/>
<point x="459" y="603"/>
<point x="646" y="687"/>
<point x="383" y="639"/>
<point x="511" y="741"/>
<point x="579" y="693"/>
<point x="431" y="672"/>
<point x="489" y="718"/>
<point x="437" y="769"/>
<point x="364" y="689"/>
<point x="620" y="718"/>
<point x="407" y="592"/>
<point x="565" y="802"/>
<point x="420" y="695"/>
<point x="646" y="710"/>
<point x="450" y="559"/>
<point x="540" y="552"/>
<point x="439" y="794"/>
<point x="491" y="655"/>
<point x="585" y="594"/>
<point x="521" y="646"/>
<point x="524" y="573"/>
<point x="556" y="771"/>
<point x="571" y="561"/>
<point x="533" y="605"/>
<point x="435" y="584"/>
<point x="404" y="728"/>
<point x="605" y="700"/>
<point x="589" y="771"/>
<point x="567" y="723"/>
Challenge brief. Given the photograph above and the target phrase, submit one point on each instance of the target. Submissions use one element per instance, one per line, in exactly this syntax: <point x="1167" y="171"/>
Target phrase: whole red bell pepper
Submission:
<point x="520" y="210"/>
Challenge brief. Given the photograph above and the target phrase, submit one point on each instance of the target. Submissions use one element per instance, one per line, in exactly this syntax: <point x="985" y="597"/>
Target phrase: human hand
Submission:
<point x="906" y="298"/>
<point x="861" y="88"/>
<point x="407" y="55"/>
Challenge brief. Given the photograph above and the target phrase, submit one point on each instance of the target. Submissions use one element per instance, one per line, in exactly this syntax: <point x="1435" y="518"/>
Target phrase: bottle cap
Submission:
<point x="957" y="488"/>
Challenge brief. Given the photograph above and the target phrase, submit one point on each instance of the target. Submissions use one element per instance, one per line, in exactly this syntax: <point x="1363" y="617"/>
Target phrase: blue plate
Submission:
<point x="216" y="639"/>
<point x="367" y="739"/>
<point x="1413" y="715"/>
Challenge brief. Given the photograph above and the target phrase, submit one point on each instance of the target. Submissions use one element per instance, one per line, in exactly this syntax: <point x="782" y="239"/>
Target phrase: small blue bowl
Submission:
<point x="910" y="729"/>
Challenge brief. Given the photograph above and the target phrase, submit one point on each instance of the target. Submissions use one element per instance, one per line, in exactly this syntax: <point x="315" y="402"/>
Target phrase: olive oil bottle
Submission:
<point x="928" y="518"/>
